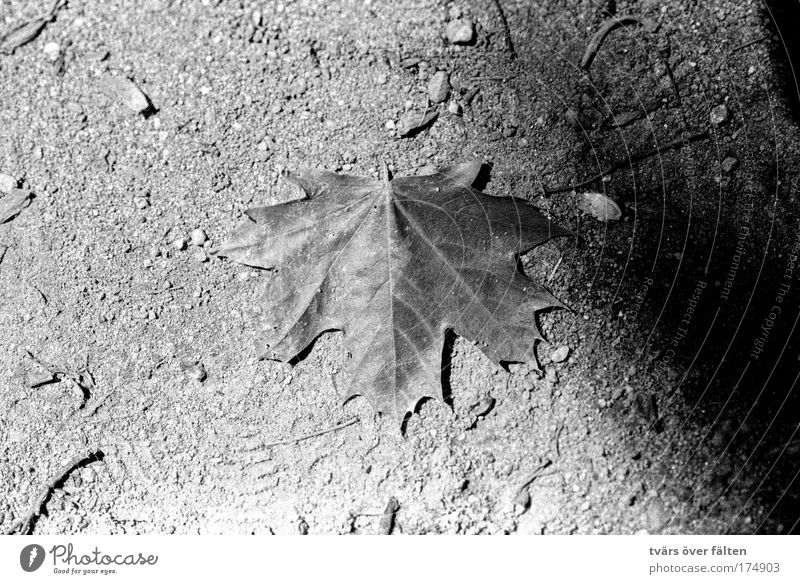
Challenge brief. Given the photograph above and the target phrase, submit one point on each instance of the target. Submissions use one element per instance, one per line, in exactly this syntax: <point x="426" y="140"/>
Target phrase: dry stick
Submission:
<point x="25" y="526"/>
<point x="506" y="30"/>
<point x="537" y="472"/>
<point x="676" y="91"/>
<point x="748" y="44"/>
<point x="75" y="378"/>
<point x="555" y="268"/>
<point x="622" y="162"/>
<point x="557" y="438"/>
<point x="607" y="27"/>
<point x="313" y="434"/>
<point x="493" y="77"/>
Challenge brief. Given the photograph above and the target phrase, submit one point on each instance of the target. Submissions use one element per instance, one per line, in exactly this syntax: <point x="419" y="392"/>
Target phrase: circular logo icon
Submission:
<point x="31" y="557"/>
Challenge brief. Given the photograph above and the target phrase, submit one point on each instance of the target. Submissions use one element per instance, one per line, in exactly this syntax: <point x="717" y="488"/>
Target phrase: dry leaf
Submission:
<point x="14" y="202"/>
<point x="395" y="264"/>
<point x="599" y="206"/>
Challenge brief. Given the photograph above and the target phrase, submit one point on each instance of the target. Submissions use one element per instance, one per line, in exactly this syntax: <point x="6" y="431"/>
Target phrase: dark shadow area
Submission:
<point x="784" y="20"/>
<point x="484" y="176"/>
<point x="714" y="405"/>
<point x="447" y="358"/>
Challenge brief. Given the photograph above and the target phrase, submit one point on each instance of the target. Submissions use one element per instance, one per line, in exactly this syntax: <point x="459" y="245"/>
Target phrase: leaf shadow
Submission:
<point x="447" y="359"/>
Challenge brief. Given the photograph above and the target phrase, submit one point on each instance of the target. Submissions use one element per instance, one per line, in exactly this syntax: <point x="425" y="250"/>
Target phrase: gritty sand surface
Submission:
<point x="659" y="419"/>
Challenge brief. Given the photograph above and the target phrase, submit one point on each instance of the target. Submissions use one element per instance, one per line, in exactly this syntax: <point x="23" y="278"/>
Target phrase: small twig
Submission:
<point x="623" y="162"/>
<point x="41" y="294"/>
<point x="470" y="95"/>
<point x="313" y="434"/>
<point x="537" y="472"/>
<point x="57" y="5"/>
<point x="555" y="268"/>
<point x="676" y="91"/>
<point x="55" y="372"/>
<point x="83" y="382"/>
<point x="594" y="44"/>
<point x="170" y="289"/>
<point x="507" y="31"/>
<point x="748" y="44"/>
<point x="557" y="438"/>
<point x="373" y="446"/>
<point x="25" y="526"/>
<point x="492" y="77"/>
<point x="88" y="413"/>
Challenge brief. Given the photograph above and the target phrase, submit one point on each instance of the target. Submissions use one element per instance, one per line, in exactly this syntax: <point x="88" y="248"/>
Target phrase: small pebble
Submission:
<point x="40" y="377"/>
<point x="572" y="117"/>
<point x="459" y="31"/>
<point x="730" y="164"/>
<point x="656" y="516"/>
<point x="52" y="51"/>
<point x="484" y="406"/>
<point x="125" y="91"/>
<point x="454" y="108"/>
<point x="302" y="527"/>
<point x="439" y="87"/>
<point x="195" y="370"/>
<point x="198" y="237"/>
<point x="179" y="244"/>
<point x="7" y="183"/>
<point x="719" y="115"/>
<point x="560" y="355"/>
<point x="141" y="203"/>
<point x="199" y="255"/>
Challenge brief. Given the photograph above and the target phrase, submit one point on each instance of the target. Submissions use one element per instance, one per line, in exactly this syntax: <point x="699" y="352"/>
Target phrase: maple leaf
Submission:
<point x="394" y="265"/>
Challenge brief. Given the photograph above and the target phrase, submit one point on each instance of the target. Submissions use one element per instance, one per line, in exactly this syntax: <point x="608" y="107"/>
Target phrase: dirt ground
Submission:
<point x="676" y="409"/>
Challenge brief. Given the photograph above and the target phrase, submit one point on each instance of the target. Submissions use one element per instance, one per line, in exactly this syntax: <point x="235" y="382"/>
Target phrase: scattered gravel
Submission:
<point x="243" y="96"/>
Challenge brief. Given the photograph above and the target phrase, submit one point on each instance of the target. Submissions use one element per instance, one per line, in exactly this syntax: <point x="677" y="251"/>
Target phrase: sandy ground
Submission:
<point x="676" y="409"/>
